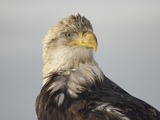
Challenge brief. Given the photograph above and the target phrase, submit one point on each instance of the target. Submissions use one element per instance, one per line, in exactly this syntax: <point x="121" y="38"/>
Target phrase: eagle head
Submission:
<point x="69" y="43"/>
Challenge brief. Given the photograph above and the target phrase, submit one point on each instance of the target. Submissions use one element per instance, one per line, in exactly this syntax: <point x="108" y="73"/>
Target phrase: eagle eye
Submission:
<point x="68" y="35"/>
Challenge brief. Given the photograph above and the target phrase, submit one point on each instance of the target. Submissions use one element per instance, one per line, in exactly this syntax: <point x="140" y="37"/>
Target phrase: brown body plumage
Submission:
<point x="74" y="87"/>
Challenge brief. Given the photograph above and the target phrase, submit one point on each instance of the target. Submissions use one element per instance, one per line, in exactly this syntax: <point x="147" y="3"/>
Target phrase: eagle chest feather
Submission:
<point x="56" y="102"/>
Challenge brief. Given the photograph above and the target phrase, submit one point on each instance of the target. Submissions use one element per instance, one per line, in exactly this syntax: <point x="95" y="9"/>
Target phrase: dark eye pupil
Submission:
<point x="67" y="35"/>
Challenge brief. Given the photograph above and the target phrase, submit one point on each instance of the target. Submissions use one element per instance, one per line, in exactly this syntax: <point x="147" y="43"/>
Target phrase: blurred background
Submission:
<point x="128" y="34"/>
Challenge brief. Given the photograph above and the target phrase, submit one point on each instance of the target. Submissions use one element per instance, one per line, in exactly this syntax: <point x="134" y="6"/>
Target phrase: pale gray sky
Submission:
<point x="128" y="33"/>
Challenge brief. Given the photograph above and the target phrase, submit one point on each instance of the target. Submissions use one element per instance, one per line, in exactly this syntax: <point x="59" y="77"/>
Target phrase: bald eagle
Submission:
<point x="74" y="86"/>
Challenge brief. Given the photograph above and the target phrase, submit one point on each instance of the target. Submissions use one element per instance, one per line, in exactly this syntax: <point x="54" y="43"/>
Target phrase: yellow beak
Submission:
<point x="88" y="40"/>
